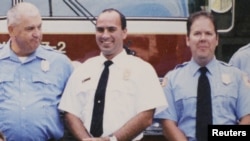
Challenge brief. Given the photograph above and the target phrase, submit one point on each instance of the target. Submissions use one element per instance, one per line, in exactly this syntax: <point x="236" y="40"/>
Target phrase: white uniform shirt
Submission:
<point x="133" y="87"/>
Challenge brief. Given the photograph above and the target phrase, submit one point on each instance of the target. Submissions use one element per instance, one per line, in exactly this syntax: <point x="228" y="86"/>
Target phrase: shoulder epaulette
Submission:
<point x="225" y="64"/>
<point x="243" y="48"/>
<point x="181" y="65"/>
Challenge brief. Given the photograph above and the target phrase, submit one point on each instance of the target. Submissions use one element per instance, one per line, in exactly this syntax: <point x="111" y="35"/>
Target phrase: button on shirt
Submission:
<point x="30" y="92"/>
<point x="133" y="87"/>
<point x="229" y="90"/>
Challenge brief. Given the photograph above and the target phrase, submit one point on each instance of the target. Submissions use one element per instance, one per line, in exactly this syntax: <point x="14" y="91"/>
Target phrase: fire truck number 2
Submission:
<point x="61" y="46"/>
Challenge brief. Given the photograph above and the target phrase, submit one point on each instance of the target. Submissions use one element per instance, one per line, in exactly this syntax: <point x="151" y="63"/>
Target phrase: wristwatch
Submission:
<point x="112" y="138"/>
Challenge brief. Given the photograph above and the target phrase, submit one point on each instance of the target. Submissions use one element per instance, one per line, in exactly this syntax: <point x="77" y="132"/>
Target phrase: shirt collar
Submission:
<point x="194" y="67"/>
<point x="6" y="52"/>
<point x="118" y="59"/>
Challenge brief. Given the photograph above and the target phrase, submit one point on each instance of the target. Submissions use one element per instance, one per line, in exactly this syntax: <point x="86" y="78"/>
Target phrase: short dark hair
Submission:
<point x="122" y="17"/>
<point x="198" y="14"/>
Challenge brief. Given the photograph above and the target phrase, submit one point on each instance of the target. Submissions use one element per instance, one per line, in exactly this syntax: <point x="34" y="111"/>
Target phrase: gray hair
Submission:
<point x="14" y="15"/>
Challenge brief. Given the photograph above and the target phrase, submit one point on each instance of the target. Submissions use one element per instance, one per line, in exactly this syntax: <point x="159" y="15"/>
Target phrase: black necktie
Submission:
<point x="204" y="109"/>
<point x="96" y="128"/>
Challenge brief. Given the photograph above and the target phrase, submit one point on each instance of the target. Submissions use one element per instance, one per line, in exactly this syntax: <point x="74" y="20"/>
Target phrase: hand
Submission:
<point x="96" y="139"/>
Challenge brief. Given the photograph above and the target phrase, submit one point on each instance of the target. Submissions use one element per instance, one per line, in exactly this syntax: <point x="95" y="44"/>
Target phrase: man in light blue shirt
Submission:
<point x="32" y="79"/>
<point x="240" y="59"/>
<point x="229" y="86"/>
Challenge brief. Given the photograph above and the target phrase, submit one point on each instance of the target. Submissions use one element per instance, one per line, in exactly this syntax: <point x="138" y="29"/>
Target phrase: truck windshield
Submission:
<point x="130" y="8"/>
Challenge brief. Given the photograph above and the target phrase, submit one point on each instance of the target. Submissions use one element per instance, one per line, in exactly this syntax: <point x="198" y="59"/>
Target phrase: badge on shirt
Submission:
<point x="126" y="74"/>
<point x="226" y="79"/>
<point x="45" y="65"/>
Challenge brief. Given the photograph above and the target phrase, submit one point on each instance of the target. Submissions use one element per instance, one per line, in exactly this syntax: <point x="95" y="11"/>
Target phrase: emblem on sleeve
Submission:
<point x="246" y="80"/>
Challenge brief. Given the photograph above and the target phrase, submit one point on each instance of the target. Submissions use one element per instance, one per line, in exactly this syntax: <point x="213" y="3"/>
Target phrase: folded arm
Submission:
<point x="171" y="131"/>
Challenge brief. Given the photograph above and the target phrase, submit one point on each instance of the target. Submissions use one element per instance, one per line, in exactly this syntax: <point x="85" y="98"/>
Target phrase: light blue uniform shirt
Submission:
<point x="229" y="92"/>
<point x="240" y="59"/>
<point x="30" y="93"/>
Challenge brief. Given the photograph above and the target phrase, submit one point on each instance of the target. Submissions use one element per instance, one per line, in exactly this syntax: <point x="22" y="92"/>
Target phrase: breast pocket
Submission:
<point x="6" y="85"/>
<point x="49" y="86"/>
<point x="122" y="94"/>
<point x="42" y="82"/>
<point x="225" y="99"/>
<point x="85" y="96"/>
<point x="185" y="102"/>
